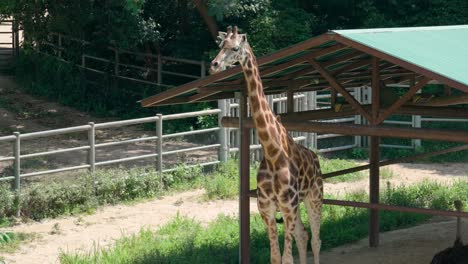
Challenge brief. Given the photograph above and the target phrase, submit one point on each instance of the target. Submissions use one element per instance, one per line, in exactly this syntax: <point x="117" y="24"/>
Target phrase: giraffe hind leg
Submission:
<point x="290" y="220"/>
<point x="301" y="237"/>
<point x="314" y="212"/>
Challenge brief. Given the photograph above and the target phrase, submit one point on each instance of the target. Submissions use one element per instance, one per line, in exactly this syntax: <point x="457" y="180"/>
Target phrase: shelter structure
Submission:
<point x="337" y="61"/>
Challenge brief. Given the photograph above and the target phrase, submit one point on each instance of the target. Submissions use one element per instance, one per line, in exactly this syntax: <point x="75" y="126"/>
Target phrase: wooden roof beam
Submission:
<point x="361" y="130"/>
<point x="351" y="66"/>
<point x="339" y="88"/>
<point x="412" y="91"/>
<point x="445" y="101"/>
<point x="304" y="58"/>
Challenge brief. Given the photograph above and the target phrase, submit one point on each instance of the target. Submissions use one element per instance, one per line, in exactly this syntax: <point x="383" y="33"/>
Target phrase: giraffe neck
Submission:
<point x="271" y="133"/>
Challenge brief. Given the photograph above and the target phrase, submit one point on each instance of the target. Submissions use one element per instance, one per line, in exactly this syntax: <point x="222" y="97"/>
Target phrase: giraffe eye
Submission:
<point x="235" y="49"/>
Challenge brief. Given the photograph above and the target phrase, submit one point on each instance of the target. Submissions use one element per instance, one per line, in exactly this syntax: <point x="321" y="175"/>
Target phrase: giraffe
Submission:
<point x="288" y="173"/>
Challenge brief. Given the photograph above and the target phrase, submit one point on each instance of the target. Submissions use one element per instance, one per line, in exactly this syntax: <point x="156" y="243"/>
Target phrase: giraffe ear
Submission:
<point x="221" y="37"/>
<point x="243" y="38"/>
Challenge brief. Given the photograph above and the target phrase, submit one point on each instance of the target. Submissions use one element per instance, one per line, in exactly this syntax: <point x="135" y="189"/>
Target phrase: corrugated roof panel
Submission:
<point x="441" y="49"/>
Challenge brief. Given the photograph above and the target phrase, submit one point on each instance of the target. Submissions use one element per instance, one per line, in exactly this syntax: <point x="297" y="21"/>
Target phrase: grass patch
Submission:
<point x="9" y="241"/>
<point x="184" y="240"/>
<point x="39" y="200"/>
<point x="331" y="165"/>
<point x="224" y="182"/>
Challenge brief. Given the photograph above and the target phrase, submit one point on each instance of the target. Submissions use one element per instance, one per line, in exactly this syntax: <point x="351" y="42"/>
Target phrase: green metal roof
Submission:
<point x="441" y="49"/>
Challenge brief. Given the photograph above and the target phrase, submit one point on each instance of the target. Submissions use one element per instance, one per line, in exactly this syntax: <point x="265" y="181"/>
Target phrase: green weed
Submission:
<point x="10" y="241"/>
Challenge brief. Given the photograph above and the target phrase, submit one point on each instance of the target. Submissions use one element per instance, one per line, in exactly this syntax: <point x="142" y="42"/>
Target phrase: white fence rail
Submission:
<point x="227" y="141"/>
<point x="17" y="139"/>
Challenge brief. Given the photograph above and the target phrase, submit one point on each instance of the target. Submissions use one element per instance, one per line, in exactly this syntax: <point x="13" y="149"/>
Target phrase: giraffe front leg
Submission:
<point x="267" y="211"/>
<point x="289" y="216"/>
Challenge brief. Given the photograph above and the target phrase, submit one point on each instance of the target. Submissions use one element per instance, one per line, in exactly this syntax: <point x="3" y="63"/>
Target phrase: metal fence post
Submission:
<point x="17" y="170"/>
<point x="159" y="80"/>
<point x="92" y="147"/>
<point x="357" y="118"/>
<point x="60" y="45"/>
<point x="303" y="107"/>
<point x="223" y="149"/>
<point x="116" y="66"/>
<point x="417" y="124"/>
<point x="159" y="146"/>
<point x="83" y="61"/>
<point x="312" y="105"/>
<point x="203" y="69"/>
<point x="416" y="121"/>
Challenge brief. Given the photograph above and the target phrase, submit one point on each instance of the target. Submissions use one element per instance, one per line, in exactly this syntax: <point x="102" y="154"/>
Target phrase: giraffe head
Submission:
<point x="233" y="50"/>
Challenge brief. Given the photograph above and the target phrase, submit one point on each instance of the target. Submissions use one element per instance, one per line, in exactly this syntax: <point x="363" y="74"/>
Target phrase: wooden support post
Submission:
<point x="374" y="191"/>
<point x="244" y="199"/>
<point x="290" y="100"/>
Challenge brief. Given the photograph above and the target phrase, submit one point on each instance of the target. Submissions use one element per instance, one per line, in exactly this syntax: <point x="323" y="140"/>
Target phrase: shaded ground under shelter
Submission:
<point x="338" y="61"/>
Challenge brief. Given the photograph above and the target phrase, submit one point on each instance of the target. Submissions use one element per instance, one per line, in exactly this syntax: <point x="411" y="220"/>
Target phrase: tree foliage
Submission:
<point x="178" y="28"/>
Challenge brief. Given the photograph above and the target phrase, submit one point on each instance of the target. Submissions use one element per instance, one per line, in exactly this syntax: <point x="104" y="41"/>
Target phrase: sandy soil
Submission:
<point x="82" y="233"/>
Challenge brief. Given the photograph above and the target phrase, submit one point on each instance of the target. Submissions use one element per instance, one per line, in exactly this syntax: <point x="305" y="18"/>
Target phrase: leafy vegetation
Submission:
<point x="39" y="200"/>
<point x="80" y="195"/>
<point x="185" y="240"/>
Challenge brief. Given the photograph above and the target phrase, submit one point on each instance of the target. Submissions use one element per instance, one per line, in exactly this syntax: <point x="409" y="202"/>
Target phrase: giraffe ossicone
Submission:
<point x="289" y="173"/>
